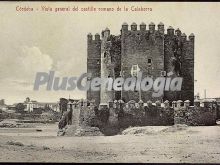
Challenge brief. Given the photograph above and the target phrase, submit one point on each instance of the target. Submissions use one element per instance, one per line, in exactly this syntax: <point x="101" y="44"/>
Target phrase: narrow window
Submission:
<point x="135" y="70"/>
<point x="149" y="62"/>
<point x="163" y="73"/>
<point x="105" y="54"/>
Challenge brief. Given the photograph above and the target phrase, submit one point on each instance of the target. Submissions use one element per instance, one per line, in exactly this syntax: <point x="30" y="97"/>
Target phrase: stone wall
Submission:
<point x="145" y="48"/>
<point x="187" y="69"/>
<point x="113" y="117"/>
<point x="107" y="65"/>
<point x="140" y="114"/>
<point x="80" y="120"/>
<point x="94" y="63"/>
<point x="218" y="110"/>
<point x="155" y="52"/>
<point x="202" y="113"/>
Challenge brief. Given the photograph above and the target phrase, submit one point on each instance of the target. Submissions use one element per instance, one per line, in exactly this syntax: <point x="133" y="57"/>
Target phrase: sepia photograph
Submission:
<point x="109" y="82"/>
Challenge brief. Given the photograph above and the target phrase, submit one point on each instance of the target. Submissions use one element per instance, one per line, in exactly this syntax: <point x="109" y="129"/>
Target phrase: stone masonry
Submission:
<point x="154" y="51"/>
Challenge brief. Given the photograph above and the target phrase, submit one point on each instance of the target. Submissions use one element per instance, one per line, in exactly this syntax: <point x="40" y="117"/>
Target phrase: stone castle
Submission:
<point x="156" y="54"/>
<point x="152" y="50"/>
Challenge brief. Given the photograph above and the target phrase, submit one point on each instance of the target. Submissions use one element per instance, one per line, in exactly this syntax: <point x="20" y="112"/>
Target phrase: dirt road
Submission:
<point x="191" y="144"/>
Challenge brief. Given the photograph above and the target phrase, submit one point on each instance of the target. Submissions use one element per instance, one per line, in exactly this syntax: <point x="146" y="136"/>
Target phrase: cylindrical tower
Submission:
<point x="107" y="69"/>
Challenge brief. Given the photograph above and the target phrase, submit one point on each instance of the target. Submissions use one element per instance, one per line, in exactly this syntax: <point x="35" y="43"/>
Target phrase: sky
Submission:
<point x="38" y="41"/>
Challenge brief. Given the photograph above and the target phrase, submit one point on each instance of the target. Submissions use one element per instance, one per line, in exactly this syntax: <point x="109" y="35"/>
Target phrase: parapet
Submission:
<point x="97" y="36"/>
<point x="175" y="104"/>
<point x="133" y="26"/>
<point x="140" y="103"/>
<point x="183" y="36"/>
<point x="124" y="26"/>
<point x="84" y="103"/>
<point x="90" y="37"/>
<point x="204" y="103"/>
<point x="178" y="32"/>
<point x="160" y="29"/>
<point x="186" y="103"/>
<point x="158" y="103"/>
<point x="191" y="37"/>
<point x="180" y="113"/>
<point x="170" y="31"/>
<point x="143" y="27"/>
<point x="197" y="103"/>
<point x="151" y="27"/>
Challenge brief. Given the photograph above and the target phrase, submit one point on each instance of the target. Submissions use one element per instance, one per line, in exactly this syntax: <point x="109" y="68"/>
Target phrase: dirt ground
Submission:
<point x="152" y="144"/>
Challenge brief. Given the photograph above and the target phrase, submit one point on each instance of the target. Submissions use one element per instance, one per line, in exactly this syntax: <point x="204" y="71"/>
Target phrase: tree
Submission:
<point x="20" y="108"/>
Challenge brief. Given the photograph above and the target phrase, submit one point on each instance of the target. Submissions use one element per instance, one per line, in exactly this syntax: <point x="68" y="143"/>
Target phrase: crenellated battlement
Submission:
<point x="96" y="37"/>
<point x="201" y="113"/>
<point x="93" y="61"/>
<point x="142" y="27"/>
<point x="117" y="114"/>
<point x="153" y="30"/>
<point x="133" y="104"/>
<point x="156" y="49"/>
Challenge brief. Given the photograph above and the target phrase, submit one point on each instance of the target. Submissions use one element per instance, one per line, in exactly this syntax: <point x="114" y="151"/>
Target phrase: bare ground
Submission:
<point x="145" y="144"/>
